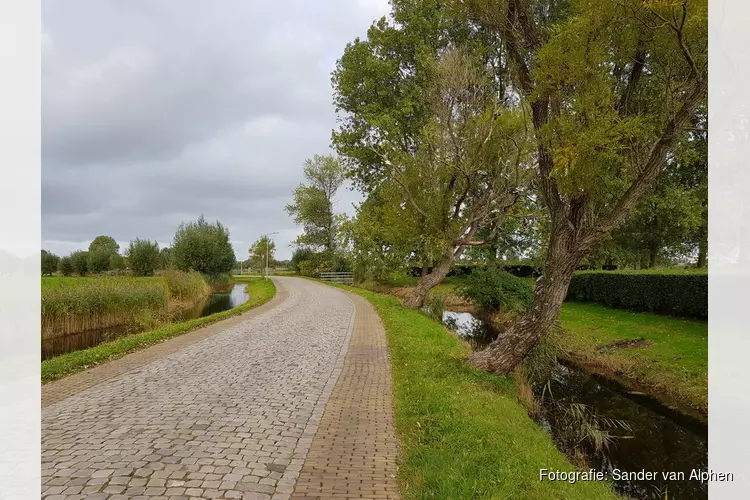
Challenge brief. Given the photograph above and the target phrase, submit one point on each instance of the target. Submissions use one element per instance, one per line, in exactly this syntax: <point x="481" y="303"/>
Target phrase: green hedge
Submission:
<point x="675" y="293"/>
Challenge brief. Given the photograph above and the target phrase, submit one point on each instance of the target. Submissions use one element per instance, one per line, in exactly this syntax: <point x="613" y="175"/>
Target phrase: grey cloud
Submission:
<point x="155" y="112"/>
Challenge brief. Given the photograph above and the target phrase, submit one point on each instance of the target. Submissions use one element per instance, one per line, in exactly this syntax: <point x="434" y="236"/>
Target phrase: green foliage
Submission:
<point x="675" y="293"/>
<point x="143" y="256"/>
<point x="300" y="255"/>
<point x="493" y="289"/>
<point x="107" y="244"/>
<point x="260" y="291"/>
<point x="50" y="263"/>
<point x="65" y="266"/>
<point x="80" y="262"/>
<point x="262" y="253"/>
<point x="165" y="258"/>
<point x="313" y="205"/>
<point x="204" y="247"/>
<point x="117" y="262"/>
<point x="98" y="260"/>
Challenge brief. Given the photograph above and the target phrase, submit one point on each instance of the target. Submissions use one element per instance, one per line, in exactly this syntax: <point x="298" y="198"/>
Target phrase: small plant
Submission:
<point x="492" y="290"/>
<point x="435" y="307"/>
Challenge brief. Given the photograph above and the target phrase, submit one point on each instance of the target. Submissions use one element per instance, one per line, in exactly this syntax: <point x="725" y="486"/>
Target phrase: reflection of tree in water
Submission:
<point x="654" y="442"/>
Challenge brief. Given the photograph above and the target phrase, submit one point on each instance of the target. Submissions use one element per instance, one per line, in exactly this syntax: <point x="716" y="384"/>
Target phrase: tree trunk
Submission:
<point x="504" y="354"/>
<point x="653" y="253"/>
<point x="429" y="281"/>
<point x="425" y="269"/>
<point x="702" y="253"/>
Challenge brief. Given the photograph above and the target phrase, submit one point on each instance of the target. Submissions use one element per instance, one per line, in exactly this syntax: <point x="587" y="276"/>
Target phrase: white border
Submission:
<point x="729" y="246"/>
<point x="20" y="207"/>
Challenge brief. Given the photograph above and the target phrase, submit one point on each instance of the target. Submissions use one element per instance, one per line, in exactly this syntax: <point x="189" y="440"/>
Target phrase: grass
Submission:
<point x="260" y="290"/>
<point x="675" y="362"/>
<point x="464" y="433"/>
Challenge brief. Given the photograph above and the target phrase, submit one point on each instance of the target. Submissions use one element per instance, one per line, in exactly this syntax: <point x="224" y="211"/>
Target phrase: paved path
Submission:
<point x="234" y="414"/>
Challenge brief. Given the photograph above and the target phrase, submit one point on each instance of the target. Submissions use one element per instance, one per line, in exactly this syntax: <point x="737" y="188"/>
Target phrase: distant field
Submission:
<point x="51" y="282"/>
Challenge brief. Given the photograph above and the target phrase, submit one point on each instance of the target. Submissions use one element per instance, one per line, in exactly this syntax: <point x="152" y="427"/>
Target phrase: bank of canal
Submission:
<point x="658" y="438"/>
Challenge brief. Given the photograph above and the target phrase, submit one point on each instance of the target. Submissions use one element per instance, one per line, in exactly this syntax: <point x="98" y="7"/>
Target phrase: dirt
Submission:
<point x="624" y="344"/>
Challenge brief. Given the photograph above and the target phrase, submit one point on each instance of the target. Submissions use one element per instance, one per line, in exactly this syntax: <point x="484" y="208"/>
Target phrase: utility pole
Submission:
<point x="268" y="244"/>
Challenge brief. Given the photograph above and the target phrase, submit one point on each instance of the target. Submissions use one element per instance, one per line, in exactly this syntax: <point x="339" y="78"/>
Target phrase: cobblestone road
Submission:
<point x="232" y="416"/>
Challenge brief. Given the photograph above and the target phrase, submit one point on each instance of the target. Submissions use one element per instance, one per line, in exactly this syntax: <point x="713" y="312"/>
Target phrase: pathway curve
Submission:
<point x="232" y="415"/>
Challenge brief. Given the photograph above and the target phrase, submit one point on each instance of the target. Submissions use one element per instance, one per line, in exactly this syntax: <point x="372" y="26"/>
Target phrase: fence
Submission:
<point x="345" y="278"/>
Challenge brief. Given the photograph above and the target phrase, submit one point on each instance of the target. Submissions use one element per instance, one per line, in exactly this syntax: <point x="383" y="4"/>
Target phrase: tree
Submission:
<point x="104" y="243"/>
<point x="204" y="247"/>
<point x="65" y="266"/>
<point x="166" y="260"/>
<point x="100" y="252"/>
<point x="79" y="262"/>
<point x="611" y="87"/>
<point x="143" y="256"/>
<point x="117" y="262"/>
<point x="313" y="205"/>
<point x="262" y="254"/>
<point x="464" y="172"/>
<point x="50" y="262"/>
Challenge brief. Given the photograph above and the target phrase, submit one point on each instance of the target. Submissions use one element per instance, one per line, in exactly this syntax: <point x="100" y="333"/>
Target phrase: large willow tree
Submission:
<point x="428" y="137"/>
<point x="612" y="86"/>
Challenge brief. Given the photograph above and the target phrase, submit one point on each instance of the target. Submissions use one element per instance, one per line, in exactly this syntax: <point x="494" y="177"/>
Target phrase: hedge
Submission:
<point x="675" y="293"/>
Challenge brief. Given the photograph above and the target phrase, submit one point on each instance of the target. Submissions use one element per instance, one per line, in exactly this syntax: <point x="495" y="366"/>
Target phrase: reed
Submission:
<point x="184" y="287"/>
<point x="71" y="305"/>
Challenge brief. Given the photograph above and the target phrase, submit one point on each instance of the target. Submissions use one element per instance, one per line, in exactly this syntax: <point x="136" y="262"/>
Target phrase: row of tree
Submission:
<point x="198" y="246"/>
<point x="566" y="130"/>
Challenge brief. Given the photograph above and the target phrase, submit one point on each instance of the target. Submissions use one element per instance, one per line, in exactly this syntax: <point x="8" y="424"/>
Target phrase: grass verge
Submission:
<point x="673" y="360"/>
<point x="261" y="291"/>
<point x="464" y="433"/>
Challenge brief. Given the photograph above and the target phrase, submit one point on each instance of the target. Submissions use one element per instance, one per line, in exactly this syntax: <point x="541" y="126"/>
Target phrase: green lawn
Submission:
<point x="260" y="290"/>
<point x="463" y="431"/>
<point x="675" y="362"/>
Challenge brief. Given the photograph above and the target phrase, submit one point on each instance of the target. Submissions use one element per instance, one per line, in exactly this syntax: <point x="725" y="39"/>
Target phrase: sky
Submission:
<point x="155" y="112"/>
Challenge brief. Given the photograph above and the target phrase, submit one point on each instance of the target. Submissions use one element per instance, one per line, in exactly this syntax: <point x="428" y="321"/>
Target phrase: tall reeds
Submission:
<point x="73" y="305"/>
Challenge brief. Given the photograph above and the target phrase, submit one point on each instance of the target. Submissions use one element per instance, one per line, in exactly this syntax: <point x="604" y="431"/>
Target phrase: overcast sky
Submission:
<point x="155" y="112"/>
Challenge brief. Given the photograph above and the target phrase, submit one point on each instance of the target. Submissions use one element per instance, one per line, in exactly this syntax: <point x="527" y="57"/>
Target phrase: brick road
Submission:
<point x="234" y="414"/>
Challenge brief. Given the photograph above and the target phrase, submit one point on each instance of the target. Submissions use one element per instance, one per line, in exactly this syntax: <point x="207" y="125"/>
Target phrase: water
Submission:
<point x="217" y="302"/>
<point x="660" y="439"/>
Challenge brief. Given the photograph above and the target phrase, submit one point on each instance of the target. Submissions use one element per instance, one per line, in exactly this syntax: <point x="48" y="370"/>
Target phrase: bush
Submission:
<point x="143" y="257"/>
<point x="493" y="289"/>
<point x="98" y="260"/>
<point x="80" y="262"/>
<point x="65" y="266"/>
<point x="221" y="282"/>
<point x="666" y="292"/>
<point x="50" y="263"/>
<point x="204" y="247"/>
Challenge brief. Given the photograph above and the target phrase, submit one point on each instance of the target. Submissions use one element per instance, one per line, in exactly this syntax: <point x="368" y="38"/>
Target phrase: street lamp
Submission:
<point x="268" y="243"/>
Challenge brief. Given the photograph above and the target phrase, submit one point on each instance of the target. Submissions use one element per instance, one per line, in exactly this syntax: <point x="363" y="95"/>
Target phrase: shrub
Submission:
<point x="221" y="282"/>
<point x="80" y="262"/>
<point x="98" y="260"/>
<point x="493" y="289"/>
<point x="666" y="292"/>
<point x="204" y="247"/>
<point x="65" y="266"/>
<point x="50" y="263"/>
<point x="143" y="256"/>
